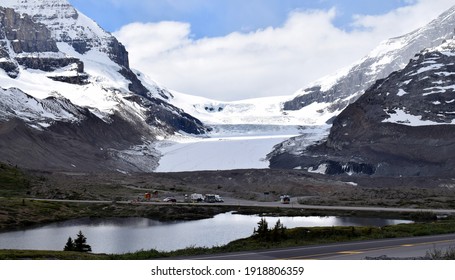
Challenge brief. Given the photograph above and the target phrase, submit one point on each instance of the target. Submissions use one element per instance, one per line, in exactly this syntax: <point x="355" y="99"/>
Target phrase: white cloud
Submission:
<point x="266" y="62"/>
<point x="153" y="39"/>
<point x="404" y="19"/>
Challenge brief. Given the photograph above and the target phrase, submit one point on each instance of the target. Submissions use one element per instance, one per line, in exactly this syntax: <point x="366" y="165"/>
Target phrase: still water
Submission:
<point x="121" y="235"/>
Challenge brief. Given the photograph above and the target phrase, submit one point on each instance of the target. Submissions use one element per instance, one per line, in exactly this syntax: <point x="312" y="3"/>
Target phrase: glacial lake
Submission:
<point x="122" y="235"/>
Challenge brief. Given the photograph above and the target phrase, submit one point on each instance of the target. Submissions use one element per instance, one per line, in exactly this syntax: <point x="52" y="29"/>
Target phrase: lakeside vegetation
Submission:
<point x="308" y="236"/>
<point x="287" y="238"/>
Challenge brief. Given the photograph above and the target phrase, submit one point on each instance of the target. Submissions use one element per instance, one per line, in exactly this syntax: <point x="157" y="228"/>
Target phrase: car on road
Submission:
<point x="285" y="199"/>
<point x="170" y="199"/>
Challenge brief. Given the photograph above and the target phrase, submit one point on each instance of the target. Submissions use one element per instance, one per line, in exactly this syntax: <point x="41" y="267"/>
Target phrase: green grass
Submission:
<point x="13" y="182"/>
<point x="48" y="255"/>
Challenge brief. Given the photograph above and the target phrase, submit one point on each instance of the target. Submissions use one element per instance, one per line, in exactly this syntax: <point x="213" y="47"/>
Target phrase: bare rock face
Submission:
<point x="67" y="25"/>
<point x="49" y="64"/>
<point x="6" y="63"/>
<point x="404" y="125"/>
<point x="24" y="34"/>
<point x="29" y="44"/>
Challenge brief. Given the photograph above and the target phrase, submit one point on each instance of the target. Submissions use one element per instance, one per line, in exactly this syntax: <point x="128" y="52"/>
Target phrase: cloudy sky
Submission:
<point x="238" y="49"/>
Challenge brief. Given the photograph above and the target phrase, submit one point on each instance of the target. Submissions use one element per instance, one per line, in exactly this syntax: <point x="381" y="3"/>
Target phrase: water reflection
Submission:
<point x="120" y="235"/>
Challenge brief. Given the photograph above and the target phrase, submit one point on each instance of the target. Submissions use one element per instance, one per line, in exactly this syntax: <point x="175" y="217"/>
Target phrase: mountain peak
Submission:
<point x="70" y="26"/>
<point x="338" y="91"/>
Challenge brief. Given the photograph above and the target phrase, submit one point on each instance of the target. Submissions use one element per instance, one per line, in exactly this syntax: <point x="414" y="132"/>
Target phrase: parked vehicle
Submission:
<point x="170" y="199"/>
<point x="197" y="197"/>
<point x="213" y="198"/>
<point x="285" y="199"/>
<point x="210" y="198"/>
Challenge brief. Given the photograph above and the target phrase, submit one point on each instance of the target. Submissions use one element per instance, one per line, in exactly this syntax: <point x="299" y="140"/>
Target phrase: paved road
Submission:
<point x="248" y="203"/>
<point x="358" y="250"/>
<point x="348" y="208"/>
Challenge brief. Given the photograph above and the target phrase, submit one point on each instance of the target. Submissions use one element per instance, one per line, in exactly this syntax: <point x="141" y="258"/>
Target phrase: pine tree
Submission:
<point x="263" y="230"/>
<point x="69" y="246"/>
<point x="80" y="243"/>
<point x="278" y="232"/>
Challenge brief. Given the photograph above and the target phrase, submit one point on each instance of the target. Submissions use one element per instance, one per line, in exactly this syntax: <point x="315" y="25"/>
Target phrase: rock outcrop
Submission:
<point x="26" y="43"/>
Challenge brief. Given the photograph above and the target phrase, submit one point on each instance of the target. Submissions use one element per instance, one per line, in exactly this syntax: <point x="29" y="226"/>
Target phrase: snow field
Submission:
<point x="229" y="147"/>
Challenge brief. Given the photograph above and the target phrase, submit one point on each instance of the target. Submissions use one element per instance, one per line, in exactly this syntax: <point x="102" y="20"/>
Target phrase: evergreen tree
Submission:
<point x="80" y="243"/>
<point x="263" y="230"/>
<point x="278" y="232"/>
<point x="69" y="246"/>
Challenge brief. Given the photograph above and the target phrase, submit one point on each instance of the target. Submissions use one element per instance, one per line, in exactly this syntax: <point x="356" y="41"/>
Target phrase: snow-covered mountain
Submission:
<point x="404" y="125"/>
<point x="59" y="69"/>
<point x="333" y="93"/>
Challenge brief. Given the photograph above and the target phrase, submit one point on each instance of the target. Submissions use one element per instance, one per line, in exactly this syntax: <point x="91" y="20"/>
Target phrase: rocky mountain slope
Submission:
<point x="68" y="98"/>
<point x="404" y="125"/>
